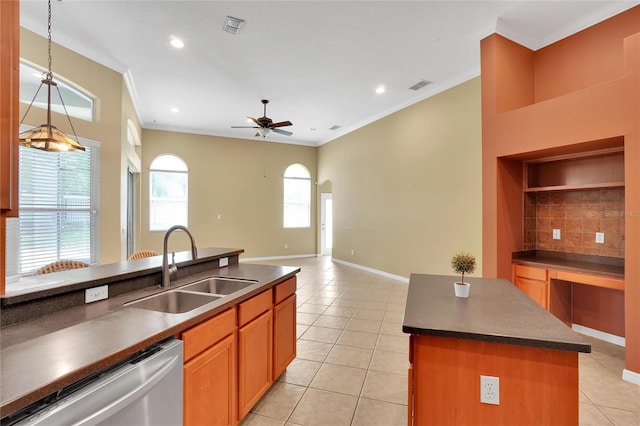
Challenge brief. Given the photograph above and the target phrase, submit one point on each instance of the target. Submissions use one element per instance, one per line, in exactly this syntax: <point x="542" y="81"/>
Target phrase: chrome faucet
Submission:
<point x="166" y="271"/>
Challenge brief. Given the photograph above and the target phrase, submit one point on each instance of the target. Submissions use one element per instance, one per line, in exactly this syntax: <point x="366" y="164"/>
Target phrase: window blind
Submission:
<point x="59" y="196"/>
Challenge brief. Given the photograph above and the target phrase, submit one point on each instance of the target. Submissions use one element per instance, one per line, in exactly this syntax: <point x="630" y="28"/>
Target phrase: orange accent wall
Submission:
<point x="578" y="94"/>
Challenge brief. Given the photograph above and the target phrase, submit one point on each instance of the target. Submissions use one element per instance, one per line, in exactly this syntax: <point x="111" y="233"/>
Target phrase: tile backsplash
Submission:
<point x="578" y="214"/>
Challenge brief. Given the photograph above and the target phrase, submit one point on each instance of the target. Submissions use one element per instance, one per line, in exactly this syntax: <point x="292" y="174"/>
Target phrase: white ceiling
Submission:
<point x="318" y="62"/>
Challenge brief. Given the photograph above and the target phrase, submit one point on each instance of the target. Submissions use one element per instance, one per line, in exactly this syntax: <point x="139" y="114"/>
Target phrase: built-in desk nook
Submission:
<point x="497" y="331"/>
<point x="578" y="289"/>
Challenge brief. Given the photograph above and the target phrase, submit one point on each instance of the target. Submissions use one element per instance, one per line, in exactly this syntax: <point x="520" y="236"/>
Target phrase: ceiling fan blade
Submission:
<point x="281" y="124"/>
<point x="244" y="127"/>
<point x="255" y="120"/>
<point x="283" y="132"/>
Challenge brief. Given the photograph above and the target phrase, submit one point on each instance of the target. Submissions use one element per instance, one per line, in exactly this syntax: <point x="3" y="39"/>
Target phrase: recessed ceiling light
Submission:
<point x="174" y="109"/>
<point x="380" y="89"/>
<point x="177" y="43"/>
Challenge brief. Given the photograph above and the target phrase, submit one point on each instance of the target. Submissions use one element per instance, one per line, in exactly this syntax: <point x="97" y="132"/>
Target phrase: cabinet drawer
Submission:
<point x="284" y="290"/>
<point x="204" y="335"/>
<point x="252" y="308"/>
<point x="534" y="273"/>
<point x="535" y="289"/>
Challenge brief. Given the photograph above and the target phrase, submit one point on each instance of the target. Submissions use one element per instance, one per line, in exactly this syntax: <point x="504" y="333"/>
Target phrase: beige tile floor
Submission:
<point x="351" y="364"/>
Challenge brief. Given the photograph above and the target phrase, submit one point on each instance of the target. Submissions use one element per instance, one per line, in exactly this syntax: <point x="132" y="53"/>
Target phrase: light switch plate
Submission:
<point x="600" y="237"/>
<point x="223" y="261"/>
<point x="556" y="234"/>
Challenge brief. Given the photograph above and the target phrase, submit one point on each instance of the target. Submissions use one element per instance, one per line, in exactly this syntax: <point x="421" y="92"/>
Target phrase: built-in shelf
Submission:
<point x="570" y="187"/>
<point x="599" y="169"/>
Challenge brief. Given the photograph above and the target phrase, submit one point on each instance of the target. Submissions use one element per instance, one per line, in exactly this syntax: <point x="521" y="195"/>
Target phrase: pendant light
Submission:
<point x="46" y="136"/>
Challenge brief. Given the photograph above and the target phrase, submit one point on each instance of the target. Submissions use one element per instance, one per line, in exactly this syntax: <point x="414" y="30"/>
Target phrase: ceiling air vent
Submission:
<point x="334" y="127"/>
<point x="232" y="25"/>
<point x="419" y="85"/>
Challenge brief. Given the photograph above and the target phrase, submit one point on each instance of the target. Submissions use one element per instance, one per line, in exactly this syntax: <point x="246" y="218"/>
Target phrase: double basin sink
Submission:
<point x="193" y="295"/>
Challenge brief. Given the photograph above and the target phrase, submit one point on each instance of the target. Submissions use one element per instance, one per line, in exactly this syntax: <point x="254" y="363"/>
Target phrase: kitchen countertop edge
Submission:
<point x="150" y="327"/>
<point x="496" y="312"/>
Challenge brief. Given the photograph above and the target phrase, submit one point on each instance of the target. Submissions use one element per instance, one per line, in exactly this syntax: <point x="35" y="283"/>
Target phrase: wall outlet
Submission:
<point x="600" y="237"/>
<point x="223" y="261"/>
<point x="96" y="293"/>
<point x="490" y="390"/>
<point x="219" y="216"/>
<point x="286" y="246"/>
<point x="556" y="234"/>
<point x="353" y="252"/>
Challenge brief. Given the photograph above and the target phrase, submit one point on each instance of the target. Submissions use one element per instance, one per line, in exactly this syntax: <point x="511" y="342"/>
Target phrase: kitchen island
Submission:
<point x="40" y="356"/>
<point x="498" y="332"/>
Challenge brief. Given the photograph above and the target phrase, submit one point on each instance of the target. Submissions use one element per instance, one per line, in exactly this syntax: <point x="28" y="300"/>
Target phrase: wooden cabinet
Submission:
<point x="9" y="110"/>
<point x="255" y="350"/>
<point x="532" y="281"/>
<point x="232" y="359"/>
<point x="210" y="371"/>
<point x="209" y="385"/>
<point x="9" y="81"/>
<point x="284" y="326"/>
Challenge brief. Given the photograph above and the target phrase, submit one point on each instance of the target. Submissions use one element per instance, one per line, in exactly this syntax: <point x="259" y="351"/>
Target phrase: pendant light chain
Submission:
<point x="49" y="74"/>
<point x="46" y="136"/>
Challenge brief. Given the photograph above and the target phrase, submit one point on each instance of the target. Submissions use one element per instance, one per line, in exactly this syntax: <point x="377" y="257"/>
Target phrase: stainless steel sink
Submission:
<point x="219" y="286"/>
<point x="174" y="302"/>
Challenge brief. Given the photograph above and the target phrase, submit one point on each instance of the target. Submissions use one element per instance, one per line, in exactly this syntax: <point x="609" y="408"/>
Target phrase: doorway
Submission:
<point x="326" y="224"/>
<point x="130" y="212"/>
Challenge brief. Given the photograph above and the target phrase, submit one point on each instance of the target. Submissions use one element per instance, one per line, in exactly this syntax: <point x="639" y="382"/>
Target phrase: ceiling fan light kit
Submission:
<point x="265" y="125"/>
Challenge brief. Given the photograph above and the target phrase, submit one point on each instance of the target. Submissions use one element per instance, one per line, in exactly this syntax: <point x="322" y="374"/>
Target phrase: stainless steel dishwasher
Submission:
<point x="145" y="389"/>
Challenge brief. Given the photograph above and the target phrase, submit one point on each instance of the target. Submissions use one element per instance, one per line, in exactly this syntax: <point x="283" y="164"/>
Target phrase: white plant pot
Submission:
<point x="461" y="289"/>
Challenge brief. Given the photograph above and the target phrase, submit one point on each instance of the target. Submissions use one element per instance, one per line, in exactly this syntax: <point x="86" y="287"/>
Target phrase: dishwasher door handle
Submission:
<point x="109" y="409"/>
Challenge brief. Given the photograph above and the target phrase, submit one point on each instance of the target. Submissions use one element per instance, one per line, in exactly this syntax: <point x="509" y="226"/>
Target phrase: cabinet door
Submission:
<point x="9" y="108"/>
<point x="284" y="335"/>
<point x="537" y="290"/>
<point x="210" y="385"/>
<point x="254" y="361"/>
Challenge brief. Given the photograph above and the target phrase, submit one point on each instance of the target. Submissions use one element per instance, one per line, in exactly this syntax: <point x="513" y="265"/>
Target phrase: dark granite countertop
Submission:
<point x="495" y="311"/>
<point x="40" y="356"/>
<point x="588" y="264"/>
<point x="38" y="286"/>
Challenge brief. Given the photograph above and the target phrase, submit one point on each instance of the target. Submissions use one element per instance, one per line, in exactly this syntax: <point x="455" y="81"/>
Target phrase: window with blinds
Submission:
<point x="59" y="196"/>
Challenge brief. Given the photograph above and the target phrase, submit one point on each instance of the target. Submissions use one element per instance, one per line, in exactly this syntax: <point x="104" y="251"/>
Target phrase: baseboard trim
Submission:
<point x="260" y="259"/>
<point x="600" y="335"/>
<point x="373" y="271"/>
<point x="631" y="376"/>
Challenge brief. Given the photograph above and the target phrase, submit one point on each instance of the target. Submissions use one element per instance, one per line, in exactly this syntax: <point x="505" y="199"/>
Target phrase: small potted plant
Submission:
<point x="463" y="263"/>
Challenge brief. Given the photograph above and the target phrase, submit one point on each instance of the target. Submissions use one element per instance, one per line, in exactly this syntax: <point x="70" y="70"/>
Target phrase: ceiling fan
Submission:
<point x="265" y="125"/>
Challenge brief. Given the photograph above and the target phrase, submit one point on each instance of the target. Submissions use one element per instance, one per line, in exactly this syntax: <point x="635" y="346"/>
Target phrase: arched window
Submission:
<point x="297" y="197"/>
<point x="79" y="103"/>
<point x="168" y="192"/>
